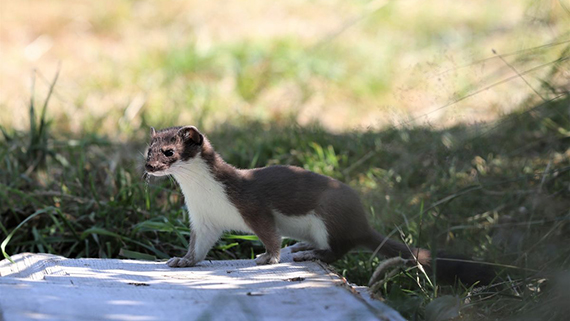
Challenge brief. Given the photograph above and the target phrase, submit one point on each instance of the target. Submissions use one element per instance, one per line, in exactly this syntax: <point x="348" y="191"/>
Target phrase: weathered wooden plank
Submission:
<point x="49" y="287"/>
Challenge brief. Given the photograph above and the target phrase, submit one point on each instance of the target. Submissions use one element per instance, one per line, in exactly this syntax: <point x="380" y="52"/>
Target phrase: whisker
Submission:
<point x="192" y="179"/>
<point x="192" y="176"/>
<point x="193" y="172"/>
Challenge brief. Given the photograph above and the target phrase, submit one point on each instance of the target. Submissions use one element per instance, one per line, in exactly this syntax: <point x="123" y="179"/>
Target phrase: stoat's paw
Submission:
<point x="300" y="246"/>
<point x="322" y="255"/>
<point x="180" y="262"/>
<point x="302" y="256"/>
<point x="266" y="258"/>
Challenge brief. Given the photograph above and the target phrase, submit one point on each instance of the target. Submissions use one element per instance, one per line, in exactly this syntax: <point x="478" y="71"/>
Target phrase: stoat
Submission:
<point x="326" y="215"/>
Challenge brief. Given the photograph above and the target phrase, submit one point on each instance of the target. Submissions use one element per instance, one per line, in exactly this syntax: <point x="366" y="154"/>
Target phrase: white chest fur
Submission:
<point x="206" y="200"/>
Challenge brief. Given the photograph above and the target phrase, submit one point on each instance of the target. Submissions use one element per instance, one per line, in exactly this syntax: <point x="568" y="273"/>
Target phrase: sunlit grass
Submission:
<point x="345" y="65"/>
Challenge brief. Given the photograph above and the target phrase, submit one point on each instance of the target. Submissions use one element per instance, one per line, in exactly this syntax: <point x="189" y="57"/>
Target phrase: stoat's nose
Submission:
<point x="151" y="167"/>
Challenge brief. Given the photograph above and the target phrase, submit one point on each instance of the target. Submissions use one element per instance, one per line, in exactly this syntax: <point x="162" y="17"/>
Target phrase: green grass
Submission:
<point x="497" y="191"/>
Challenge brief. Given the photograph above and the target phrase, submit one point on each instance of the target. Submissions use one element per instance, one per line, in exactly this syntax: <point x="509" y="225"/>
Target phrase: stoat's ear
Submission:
<point x="152" y="132"/>
<point x="191" y="133"/>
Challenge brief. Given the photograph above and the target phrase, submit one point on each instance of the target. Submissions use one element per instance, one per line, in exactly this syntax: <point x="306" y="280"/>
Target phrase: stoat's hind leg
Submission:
<point x="300" y="246"/>
<point x="326" y="256"/>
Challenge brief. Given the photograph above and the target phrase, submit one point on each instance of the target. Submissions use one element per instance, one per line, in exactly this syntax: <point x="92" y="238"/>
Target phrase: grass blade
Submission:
<point x="7" y="239"/>
<point x="136" y="255"/>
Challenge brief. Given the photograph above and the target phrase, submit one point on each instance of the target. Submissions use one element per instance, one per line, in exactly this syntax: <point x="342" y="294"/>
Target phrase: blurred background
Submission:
<point x="450" y="118"/>
<point x="347" y="65"/>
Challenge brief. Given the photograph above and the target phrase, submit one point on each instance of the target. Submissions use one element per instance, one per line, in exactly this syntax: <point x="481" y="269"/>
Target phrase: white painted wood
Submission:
<point x="49" y="287"/>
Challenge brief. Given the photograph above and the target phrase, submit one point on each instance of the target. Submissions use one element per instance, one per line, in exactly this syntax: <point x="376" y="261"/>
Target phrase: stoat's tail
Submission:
<point x="448" y="268"/>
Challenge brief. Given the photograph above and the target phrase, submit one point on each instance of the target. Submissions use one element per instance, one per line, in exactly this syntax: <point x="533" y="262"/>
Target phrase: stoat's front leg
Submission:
<point x="202" y="238"/>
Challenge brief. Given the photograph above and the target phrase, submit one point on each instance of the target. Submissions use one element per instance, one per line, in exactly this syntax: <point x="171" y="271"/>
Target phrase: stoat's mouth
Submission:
<point x="157" y="173"/>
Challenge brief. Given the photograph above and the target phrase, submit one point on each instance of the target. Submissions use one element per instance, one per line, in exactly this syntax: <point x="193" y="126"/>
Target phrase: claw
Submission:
<point x="173" y="262"/>
<point x="180" y="262"/>
<point x="266" y="258"/>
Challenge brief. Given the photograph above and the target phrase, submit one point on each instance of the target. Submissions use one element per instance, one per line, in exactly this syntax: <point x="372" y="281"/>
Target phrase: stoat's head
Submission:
<point x="171" y="146"/>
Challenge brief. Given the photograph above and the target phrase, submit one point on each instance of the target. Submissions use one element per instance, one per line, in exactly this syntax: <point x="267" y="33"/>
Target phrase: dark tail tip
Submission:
<point x="451" y="268"/>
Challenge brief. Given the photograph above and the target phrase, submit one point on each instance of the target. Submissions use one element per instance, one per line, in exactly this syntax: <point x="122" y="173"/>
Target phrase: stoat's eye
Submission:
<point x="168" y="152"/>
